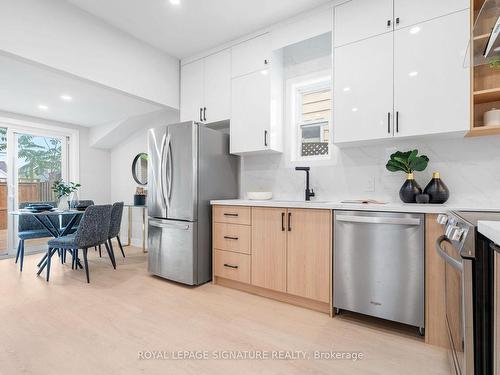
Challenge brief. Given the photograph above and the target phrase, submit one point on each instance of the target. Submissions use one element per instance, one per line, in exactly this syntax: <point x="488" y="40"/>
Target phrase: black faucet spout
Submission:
<point x="309" y="192"/>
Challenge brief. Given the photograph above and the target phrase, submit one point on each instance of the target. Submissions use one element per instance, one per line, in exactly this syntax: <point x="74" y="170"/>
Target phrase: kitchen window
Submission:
<point x="312" y="119"/>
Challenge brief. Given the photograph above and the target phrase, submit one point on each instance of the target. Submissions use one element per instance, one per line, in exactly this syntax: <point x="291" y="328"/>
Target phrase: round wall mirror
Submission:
<point x="140" y="168"/>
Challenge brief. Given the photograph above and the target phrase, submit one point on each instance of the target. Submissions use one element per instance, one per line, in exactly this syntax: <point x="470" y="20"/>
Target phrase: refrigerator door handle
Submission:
<point x="162" y="224"/>
<point x="162" y="172"/>
<point x="169" y="170"/>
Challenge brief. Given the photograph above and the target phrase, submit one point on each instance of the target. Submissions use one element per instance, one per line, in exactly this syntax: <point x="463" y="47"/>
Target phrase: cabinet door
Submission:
<point x="250" y="117"/>
<point x="361" y="19"/>
<point x="497" y="314"/>
<point x="410" y="12"/>
<point x="363" y="90"/>
<point x="269" y="248"/>
<point x="431" y="85"/>
<point x="192" y="82"/>
<point x="252" y="55"/>
<point x="308" y="254"/>
<point x="218" y="87"/>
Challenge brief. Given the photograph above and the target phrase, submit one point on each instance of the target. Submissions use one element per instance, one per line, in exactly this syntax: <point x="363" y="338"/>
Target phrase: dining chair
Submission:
<point x="66" y="219"/>
<point x="92" y="231"/>
<point x="115" y="226"/>
<point x="28" y="229"/>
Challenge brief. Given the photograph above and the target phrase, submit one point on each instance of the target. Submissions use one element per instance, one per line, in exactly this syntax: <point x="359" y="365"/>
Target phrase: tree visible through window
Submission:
<point x="313" y="119"/>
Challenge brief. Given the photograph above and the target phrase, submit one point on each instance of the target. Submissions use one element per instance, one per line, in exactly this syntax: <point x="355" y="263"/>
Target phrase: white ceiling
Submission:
<point x="24" y="86"/>
<point x="194" y="25"/>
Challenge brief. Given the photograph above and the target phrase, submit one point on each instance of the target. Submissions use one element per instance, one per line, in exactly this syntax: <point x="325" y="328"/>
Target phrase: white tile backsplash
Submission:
<point x="469" y="166"/>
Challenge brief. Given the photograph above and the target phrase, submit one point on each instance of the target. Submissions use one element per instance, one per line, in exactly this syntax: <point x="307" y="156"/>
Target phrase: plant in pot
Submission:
<point x="63" y="191"/>
<point x="408" y="162"/>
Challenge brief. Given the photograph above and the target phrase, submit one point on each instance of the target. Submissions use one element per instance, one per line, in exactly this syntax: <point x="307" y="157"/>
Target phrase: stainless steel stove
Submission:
<point x="468" y="289"/>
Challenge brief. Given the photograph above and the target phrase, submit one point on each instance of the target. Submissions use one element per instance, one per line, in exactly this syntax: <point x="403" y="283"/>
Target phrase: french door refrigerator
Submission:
<point x="189" y="165"/>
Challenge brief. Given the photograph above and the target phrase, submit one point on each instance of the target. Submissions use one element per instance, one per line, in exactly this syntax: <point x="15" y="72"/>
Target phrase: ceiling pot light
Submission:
<point x="66" y="98"/>
<point x="42" y="107"/>
<point x="413" y="74"/>
<point x="414" y="30"/>
<point x="175" y="2"/>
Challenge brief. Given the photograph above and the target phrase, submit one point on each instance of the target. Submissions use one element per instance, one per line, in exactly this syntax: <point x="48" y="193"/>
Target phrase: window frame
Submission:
<point x="303" y="86"/>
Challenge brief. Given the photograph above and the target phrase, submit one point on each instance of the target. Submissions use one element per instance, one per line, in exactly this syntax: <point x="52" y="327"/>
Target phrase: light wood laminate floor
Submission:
<point x="69" y="327"/>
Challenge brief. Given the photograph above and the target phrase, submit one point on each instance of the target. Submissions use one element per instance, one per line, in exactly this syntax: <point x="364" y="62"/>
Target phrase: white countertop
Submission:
<point x="331" y="205"/>
<point x="490" y="229"/>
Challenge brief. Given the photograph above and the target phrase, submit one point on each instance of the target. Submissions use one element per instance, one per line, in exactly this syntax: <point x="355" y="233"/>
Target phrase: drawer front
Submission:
<point x="232" y="237"/>
<point x="232" y="215"/>
<point x="234" y="266"/>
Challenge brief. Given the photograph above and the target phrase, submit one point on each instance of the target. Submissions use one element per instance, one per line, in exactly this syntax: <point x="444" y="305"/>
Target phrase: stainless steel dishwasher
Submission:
<point x="379" y="265"/>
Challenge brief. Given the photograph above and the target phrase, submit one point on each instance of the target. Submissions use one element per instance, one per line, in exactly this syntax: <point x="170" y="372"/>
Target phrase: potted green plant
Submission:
<point x="408" y="162"/>
<point x="64" y="190"/>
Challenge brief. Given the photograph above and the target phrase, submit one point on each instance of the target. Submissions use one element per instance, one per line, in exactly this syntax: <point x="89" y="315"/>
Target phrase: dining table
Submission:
<point x="52" y="221"/>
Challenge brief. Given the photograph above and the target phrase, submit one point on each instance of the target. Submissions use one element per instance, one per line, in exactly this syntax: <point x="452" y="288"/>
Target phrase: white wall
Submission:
<point x="61" y="36"/>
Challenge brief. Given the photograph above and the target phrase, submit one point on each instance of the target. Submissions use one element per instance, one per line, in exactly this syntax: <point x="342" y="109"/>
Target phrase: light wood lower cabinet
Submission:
<point x="269" y="248"/>
<point x="308" y="257"/>
<point x="289" y="258"/>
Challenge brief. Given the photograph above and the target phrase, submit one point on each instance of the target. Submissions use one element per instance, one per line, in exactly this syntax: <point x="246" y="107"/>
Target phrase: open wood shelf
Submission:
<point x="486" y="96"/>
<point x="483" y="131"/>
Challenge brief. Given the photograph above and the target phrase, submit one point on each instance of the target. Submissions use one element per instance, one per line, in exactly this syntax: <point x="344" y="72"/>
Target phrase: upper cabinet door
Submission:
<point x="363" y="90"/>
<point x="431" y="85"/>
<point x="251" y="113"/>
<point x="218" y="87"/>
<point x="252" y="55"/>
<point x="361" y="19"/>
<point x="192" y="92"/>
<point x="410" y="12"/>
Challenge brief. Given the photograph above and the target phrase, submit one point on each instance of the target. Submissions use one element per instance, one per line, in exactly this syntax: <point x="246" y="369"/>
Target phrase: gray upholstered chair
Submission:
<point x="92" y="231"/>
<point x="67" y="219"/>
<point x="29" y="228"/>
<point x="114" y="227"/>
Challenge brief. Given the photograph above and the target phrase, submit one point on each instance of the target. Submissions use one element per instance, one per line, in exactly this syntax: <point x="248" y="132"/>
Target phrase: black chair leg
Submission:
<point x="100" y="254"/>
<point x="42" y="260"/>
<point x="120" y="244"/>
<point x="86" y="264"/>
<point x="111" y="254"/>
<point x="22" y="256"/>
<point x="49" y="256"/>
<point x="18" y="250"/>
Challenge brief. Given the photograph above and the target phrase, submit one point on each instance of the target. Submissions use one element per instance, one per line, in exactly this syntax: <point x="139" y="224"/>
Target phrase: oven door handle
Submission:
<point x="448" y="259"/>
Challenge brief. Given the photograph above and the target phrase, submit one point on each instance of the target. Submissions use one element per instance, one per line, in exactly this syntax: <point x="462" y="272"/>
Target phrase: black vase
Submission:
<point x="139" y="200"/>
<point x="437" y="190"/>
<point x="410" y="189"/>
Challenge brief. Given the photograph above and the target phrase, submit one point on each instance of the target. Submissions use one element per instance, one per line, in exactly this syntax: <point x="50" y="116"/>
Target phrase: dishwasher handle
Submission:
<point x="378" y="220"/>
<point x="447" y="258"/>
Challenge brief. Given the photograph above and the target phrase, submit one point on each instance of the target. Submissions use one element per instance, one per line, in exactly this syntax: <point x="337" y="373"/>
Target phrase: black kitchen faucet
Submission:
<point x="309" y="192"/>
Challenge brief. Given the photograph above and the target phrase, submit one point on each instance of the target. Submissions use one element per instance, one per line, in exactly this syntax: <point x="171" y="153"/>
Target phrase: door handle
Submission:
<point x="231" y="238"/>
<point x="162" y="172"/>
<point x="201" y="114"/>
<point x="265" y="138"/>
<point x="282" y="221"/>
<point x="230" y="266"/>
<point x="289" y="221"/>
<point x="205" y="113"/>
<point x="377" y="220"/>
<point x="389" y="22"/>
<point x="161" y="224"/>
<point x="230" y="214"/>
<point x="397" y="21"/>
<point x="397" y="121"/>
<point x="389" y="122"/>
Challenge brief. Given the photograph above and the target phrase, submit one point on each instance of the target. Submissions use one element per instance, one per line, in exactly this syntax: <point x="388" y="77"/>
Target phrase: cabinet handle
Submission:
<point x="282" y="221"/>
<point x="230" y="266"/>
<point x="231" y="238"/>
<point x="389" y="23"/>
<point x="205" y="113"/>
<point x="397" y="21"/>
<point x="289" y="221"/>
<point x="397" y="121"/>
<point x="229" y="214"/>
<point x="389" y="122"/>
<point x="265" y="138"/>
<point x="266" y="61"/>
<point x="201" y="114"/>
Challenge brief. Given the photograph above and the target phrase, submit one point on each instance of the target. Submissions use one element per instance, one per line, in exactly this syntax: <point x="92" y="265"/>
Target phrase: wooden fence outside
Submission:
<point x="28" y="192"/>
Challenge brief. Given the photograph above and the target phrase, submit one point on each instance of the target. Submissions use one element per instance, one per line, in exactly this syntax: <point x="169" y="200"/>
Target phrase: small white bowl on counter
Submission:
<point x="259" y="195"/>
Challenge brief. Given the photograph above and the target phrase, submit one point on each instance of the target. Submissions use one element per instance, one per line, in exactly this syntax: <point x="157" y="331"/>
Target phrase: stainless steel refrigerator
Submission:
<point x="189" y="164"/>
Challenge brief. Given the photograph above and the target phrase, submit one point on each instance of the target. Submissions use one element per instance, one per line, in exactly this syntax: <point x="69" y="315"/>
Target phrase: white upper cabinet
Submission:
<point x="252" y="55"/>
<point x="410" y="12"/>
<point x="206" y="89"/>
<point x="250" y="120"/>
<point x="431" y="85"/>
<point x="218" y="87"/>
<point x="361" y="19"/>
<point x="363" y="90"/>
<point x="192" y="91"/>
